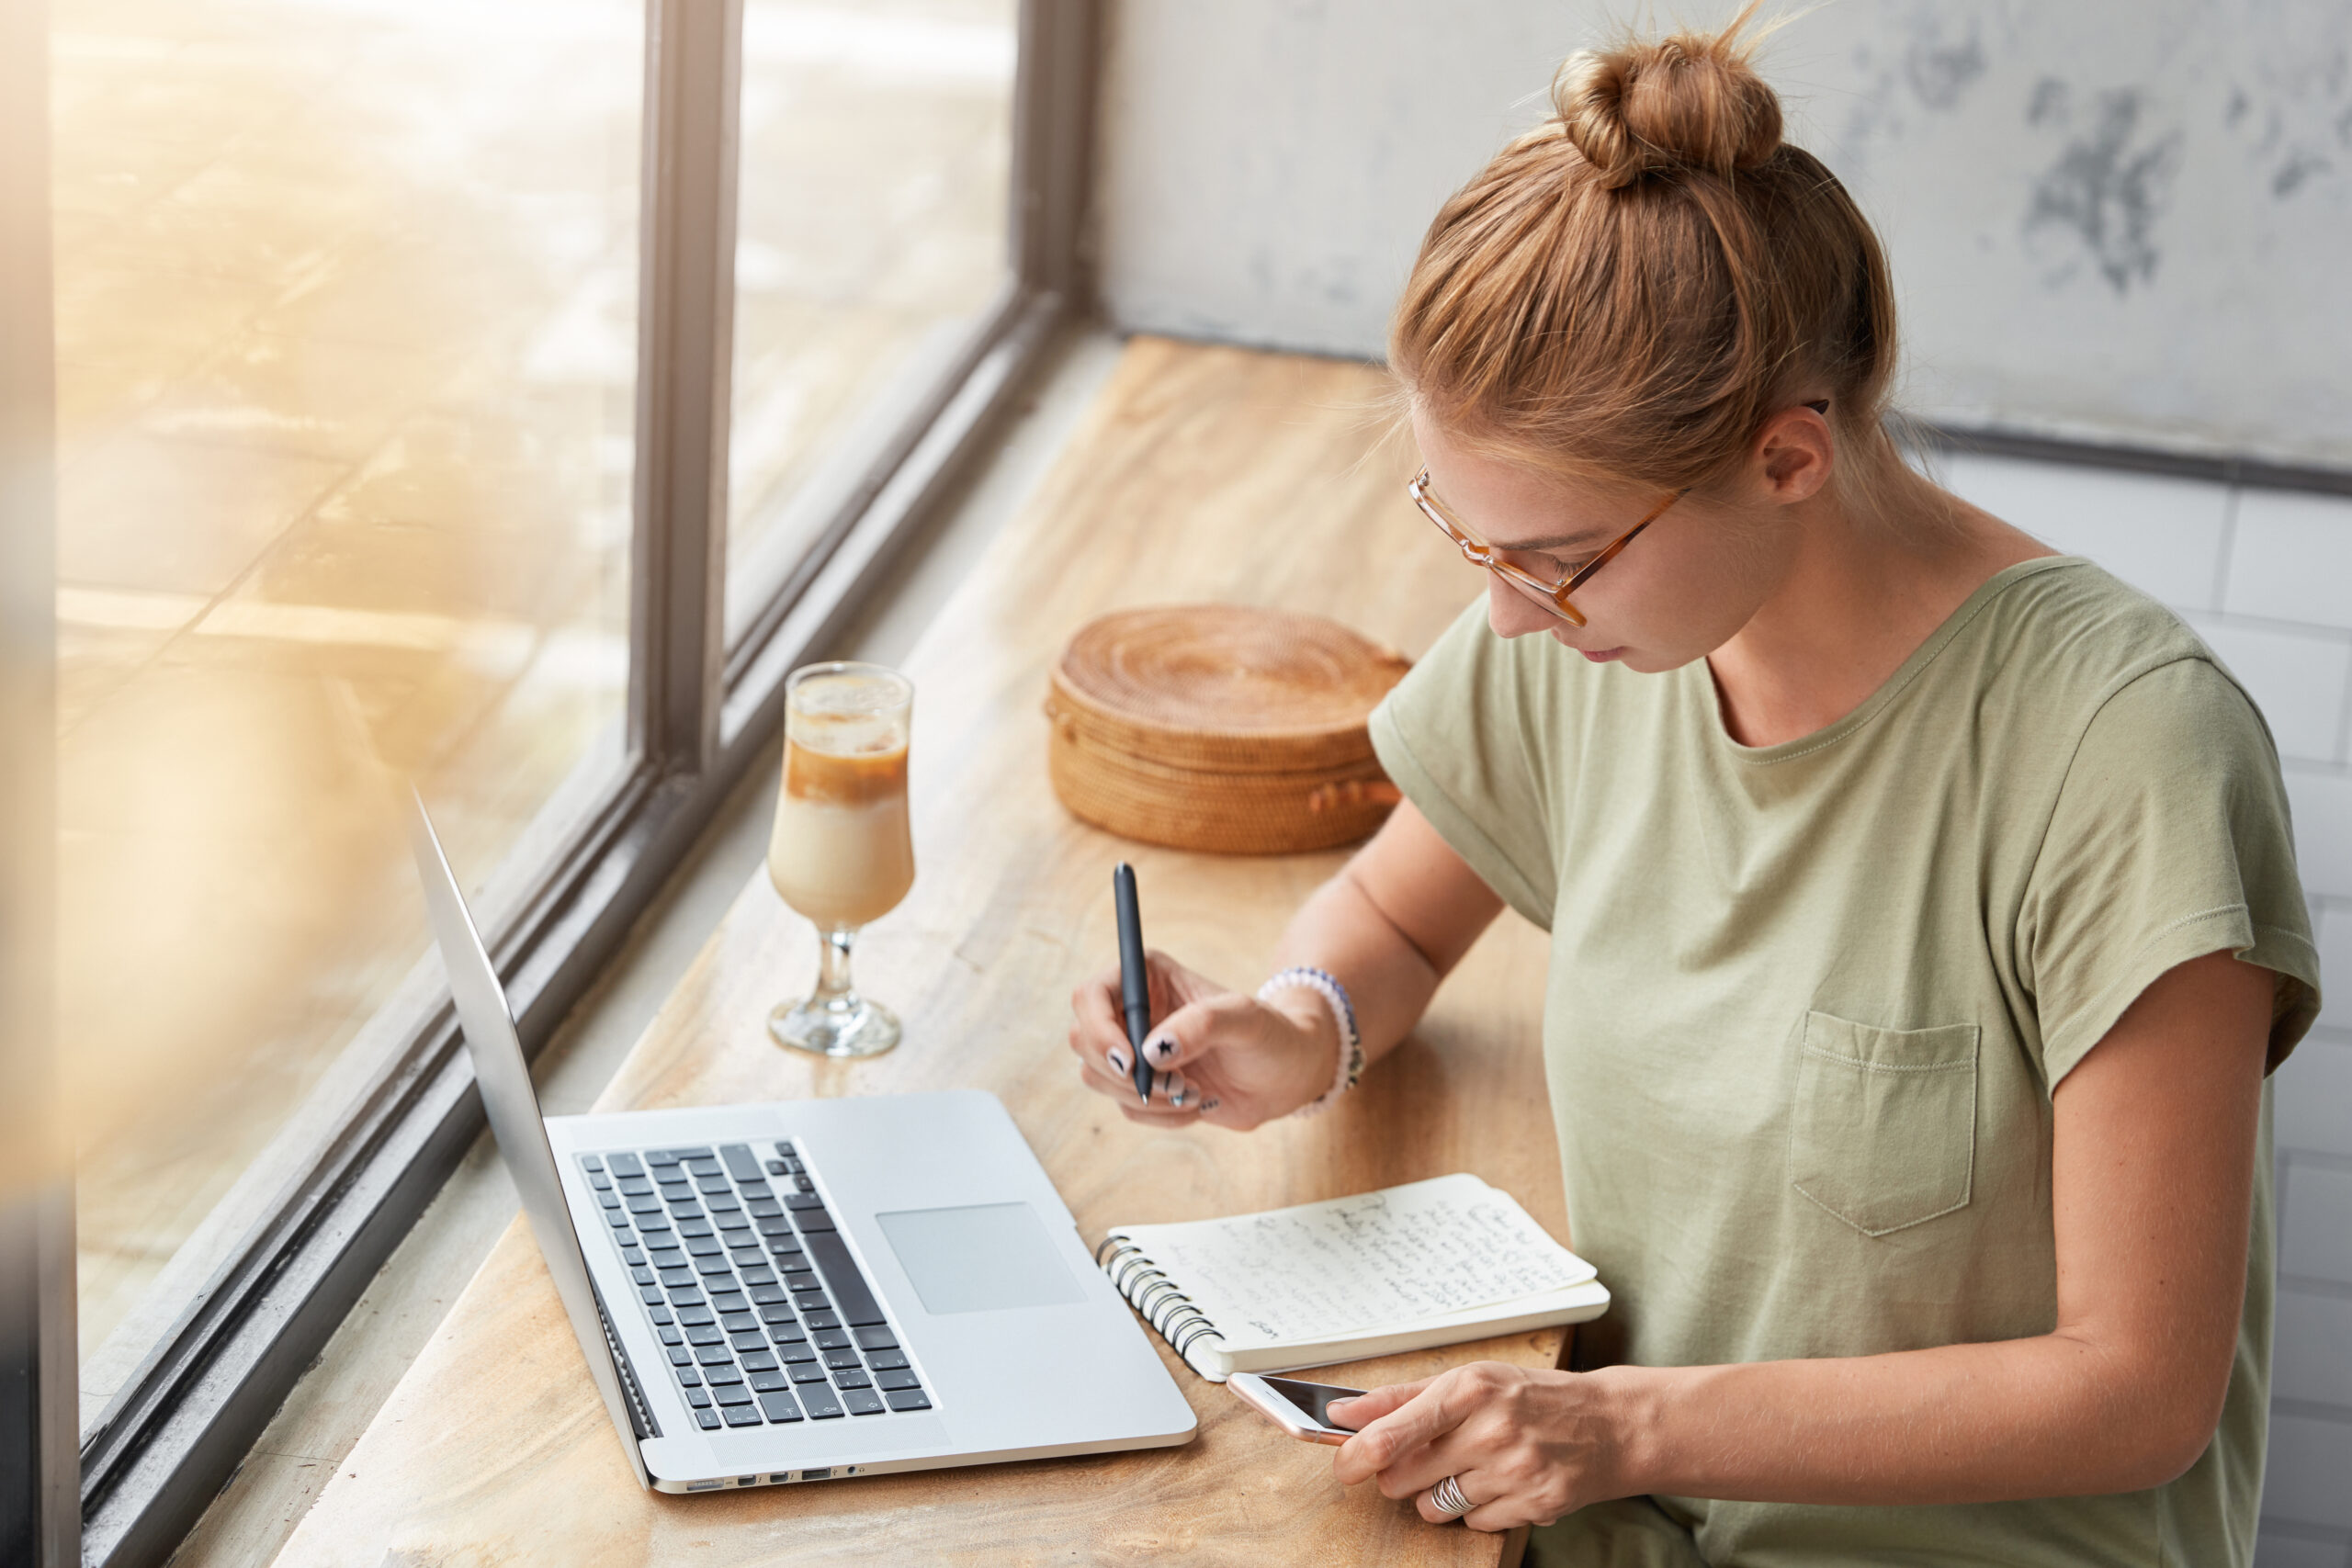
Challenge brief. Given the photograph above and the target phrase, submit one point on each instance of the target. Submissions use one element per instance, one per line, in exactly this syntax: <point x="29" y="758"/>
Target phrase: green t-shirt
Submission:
<point x="1807" y="1002"/>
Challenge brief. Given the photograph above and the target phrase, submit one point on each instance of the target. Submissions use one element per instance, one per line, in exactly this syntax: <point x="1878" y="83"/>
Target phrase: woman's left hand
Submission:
<point x="1524" y="1447"/>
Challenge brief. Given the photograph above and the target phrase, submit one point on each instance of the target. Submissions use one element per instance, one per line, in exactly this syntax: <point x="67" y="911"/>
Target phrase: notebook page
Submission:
<point x="1376" y="1261"/>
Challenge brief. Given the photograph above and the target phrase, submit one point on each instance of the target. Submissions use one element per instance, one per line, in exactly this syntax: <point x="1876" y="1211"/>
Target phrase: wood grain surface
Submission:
<point x="1202" y="474"/>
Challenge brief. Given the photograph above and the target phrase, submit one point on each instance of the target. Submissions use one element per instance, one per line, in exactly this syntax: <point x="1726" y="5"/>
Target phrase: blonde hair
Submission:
<point x="1627" y="291"/>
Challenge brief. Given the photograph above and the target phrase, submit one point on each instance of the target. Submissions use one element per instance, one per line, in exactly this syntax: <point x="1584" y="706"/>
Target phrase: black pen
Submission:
<point x="1135" y="980"/>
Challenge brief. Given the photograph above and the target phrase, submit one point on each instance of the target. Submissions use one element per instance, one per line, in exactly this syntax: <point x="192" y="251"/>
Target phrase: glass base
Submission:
<point x="841" y="1026"/>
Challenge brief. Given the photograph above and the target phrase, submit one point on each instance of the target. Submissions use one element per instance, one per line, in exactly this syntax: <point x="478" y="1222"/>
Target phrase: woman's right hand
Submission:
<point x="1217" y="1055"/>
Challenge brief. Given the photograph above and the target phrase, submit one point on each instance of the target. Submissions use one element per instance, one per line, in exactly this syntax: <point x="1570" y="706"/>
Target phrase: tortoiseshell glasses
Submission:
<point x="1552" y="595"/>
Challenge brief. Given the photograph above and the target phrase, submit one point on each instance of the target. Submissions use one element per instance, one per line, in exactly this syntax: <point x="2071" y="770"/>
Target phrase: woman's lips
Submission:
<point x="1600" y="655"/>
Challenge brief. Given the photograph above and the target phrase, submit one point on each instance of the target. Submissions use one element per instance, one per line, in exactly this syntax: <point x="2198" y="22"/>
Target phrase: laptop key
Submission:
<point x="714" y="1355"/>
<point x="779" y="1406"/>
<point x="732" y="1394"/>
<point x="591" y="1162"/>
<point x="839" y="1359"/>
<point x="705" y="1246"/>
<point x="739" y="1159"/>
<point x="763" y="1208"/>
<point x="742" y="1415"/>
<point x="680" y="1356"/>
<point x="741" y="1322"/>
<point x="715" y="1264"/>
<point x="699" y="1398"/>
<point x="798" y="1350"/>
<point x="852" y="1376"/>
<point x="776" y="1166"/>
<point x="758" y="1274"/>
<point x="768" y="1382"/>
<point x="862" y="1401"/>
<point x="876" y="1338"/>
<point x="812" y="1221"/>
<point x="908" y="1399"/>
<point x="787" y="1333"/>
<point x="899" y="1379"/>
<point x="756" y="1360"/>
<point x="776" y="1226"/>
<point x="767" y="1295"/>
<point x="618" y="1219"/>
<point x="651" y="1224"/>
<point x="820" y="1401"/>
<point x="693" y="1313"/>
<point x="858" y="1306"/>
<point x="652" y="1294"/>
<point x="675" y="1278"/>
<point x="806" y="1372"/>
<point x="702" y="1153"/>
<point x="624" y="1164"/>
<point x="723" y="1202"/>
<point x="784" y="1149"/>
<point x="661" y="1159"/>
<point x="754" y="1340"/>
<point x="823" y="1317"/>
<point x="720" y="1376"/>
<point x="690" y="1223"/>
<point x="705" y="1334"/>
<point x="706" y="1419"/>
<point x="685" y="1296"/>
<point x="642" y="1275"/>
<point x="830" y="1338"/>
<point x="883" y="1360"/>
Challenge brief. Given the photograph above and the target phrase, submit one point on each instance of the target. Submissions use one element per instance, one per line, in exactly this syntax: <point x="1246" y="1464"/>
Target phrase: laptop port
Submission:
<point x="816" y="1474"/>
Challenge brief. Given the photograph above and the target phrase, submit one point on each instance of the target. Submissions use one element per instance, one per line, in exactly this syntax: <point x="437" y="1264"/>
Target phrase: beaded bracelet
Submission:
<point x="1343" y="1012"/>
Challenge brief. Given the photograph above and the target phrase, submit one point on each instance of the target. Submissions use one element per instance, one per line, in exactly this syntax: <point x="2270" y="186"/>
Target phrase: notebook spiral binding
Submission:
<point x="1155" y="1297"/>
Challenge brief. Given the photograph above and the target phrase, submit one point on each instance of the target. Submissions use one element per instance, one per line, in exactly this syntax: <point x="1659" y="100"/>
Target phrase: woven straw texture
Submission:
<point x="1221" y="728"/>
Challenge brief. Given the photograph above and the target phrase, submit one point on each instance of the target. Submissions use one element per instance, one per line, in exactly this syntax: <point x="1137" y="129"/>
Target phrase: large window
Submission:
<point x="495" y="395"/>
<point x="871" y="240"/>
<point x="345" y="303"/>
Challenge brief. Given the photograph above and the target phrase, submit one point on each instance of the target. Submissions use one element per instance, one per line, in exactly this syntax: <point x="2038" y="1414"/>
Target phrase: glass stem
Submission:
<point x="832" y="967"/>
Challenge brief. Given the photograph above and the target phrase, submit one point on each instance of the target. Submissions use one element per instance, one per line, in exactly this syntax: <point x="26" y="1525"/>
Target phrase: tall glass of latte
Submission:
<point x="841" y="853"/>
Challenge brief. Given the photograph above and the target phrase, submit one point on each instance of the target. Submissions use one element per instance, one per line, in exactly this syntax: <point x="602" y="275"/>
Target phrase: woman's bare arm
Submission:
<point x="1390" y="925"/>
<point x="2152" y="1169"/>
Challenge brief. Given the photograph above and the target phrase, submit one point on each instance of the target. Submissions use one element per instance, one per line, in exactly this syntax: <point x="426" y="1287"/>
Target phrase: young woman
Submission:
<point x="1923" y="907"/>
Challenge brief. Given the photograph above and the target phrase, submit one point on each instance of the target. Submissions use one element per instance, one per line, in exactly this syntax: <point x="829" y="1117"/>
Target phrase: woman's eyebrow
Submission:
<point x="1559" y="541"/>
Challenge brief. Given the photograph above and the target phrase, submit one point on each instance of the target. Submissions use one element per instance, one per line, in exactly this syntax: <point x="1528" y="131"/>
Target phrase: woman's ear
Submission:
<point x="1795" y="453"/>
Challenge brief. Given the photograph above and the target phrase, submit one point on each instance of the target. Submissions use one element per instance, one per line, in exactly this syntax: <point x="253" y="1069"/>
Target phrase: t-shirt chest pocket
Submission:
<point x="1883" y="1131"/>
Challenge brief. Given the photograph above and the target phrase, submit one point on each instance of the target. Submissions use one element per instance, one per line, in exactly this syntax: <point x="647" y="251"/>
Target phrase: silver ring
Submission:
<point x="1446" y="1498"/>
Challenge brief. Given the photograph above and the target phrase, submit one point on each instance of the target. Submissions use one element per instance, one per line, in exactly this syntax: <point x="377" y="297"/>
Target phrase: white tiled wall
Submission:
<point x="2266" y="578"/>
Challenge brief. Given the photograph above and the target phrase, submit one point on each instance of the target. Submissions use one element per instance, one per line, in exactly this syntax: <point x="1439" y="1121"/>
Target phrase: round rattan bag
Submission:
<point x="1220" y="727"/>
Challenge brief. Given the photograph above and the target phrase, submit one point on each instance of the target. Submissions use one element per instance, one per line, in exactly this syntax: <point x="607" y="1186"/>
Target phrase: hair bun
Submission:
<point x="1686" y="101"/>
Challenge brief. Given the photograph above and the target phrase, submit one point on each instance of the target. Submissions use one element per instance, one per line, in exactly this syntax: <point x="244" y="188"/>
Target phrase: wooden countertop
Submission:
<point x="1202" y="474"/>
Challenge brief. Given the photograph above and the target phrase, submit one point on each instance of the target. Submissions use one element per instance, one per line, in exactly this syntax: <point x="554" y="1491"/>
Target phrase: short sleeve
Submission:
<point x="2170" y="840"/>
<point x="1456" y="736"/>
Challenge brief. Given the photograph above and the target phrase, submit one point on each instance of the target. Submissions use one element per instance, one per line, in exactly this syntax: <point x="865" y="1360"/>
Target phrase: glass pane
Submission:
<point x="871" y="235"/>
<point x="345" y="309"/>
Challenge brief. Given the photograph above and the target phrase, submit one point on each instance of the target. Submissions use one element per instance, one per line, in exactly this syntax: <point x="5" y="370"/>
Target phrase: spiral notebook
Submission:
<point x="1429" y="1263"/>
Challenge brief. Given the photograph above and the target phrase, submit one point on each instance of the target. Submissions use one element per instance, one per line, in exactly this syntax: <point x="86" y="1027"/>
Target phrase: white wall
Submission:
<point x="2121" y="220"/>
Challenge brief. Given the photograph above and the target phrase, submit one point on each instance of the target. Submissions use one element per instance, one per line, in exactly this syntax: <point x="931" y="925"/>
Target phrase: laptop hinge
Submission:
<point x="640" y="1418"/>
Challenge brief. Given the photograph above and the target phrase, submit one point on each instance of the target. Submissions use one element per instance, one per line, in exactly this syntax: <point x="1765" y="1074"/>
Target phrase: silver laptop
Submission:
<point x="809" y="1290"/>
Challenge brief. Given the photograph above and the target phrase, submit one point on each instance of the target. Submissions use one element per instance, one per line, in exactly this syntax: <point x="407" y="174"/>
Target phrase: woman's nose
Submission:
<point x="1513" y="614"/>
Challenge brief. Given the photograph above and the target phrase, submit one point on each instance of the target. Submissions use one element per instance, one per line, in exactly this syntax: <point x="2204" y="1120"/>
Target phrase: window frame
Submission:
<point x="151" y="1463"/>
<point x="40" y="1518"/>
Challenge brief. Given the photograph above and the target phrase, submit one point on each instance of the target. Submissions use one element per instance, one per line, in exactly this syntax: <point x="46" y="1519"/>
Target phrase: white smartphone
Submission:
<point x="1302" y="1409"/>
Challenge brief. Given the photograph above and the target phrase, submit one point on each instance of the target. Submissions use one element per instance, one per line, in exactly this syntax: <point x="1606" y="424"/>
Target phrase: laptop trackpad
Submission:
<point x="984" y="1258"/>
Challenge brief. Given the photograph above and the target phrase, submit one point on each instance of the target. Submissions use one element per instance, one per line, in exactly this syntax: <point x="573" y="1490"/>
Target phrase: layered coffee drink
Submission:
<point x="842" y="852"/>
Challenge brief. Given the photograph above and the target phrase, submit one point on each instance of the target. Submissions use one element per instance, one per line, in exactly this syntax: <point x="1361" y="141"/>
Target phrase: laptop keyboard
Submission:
<point x="765" y="1316"/>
